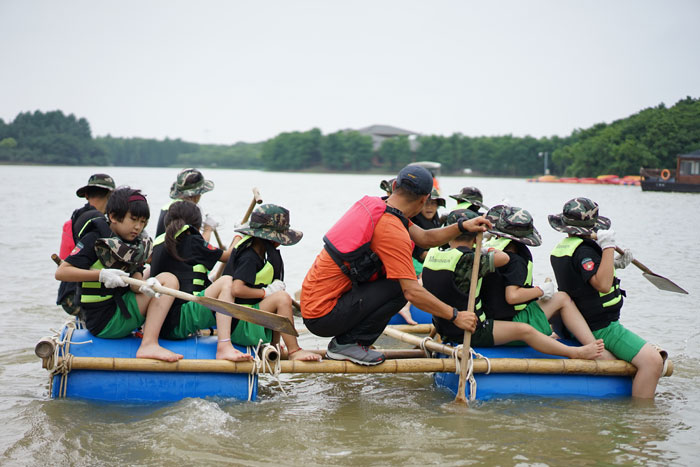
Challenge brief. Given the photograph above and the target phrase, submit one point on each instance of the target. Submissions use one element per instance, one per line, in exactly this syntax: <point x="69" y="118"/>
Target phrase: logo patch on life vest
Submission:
<point x="77" y="248"/>
<point x="209" y="245"/>
<point x="587" y="264"/>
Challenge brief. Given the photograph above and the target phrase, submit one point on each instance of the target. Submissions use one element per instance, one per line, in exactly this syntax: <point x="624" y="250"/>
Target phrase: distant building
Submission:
<point x="381" y="132"/>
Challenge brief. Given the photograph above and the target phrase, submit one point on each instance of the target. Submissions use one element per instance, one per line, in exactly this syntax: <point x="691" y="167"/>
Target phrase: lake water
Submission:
<point x="338" y="419"/>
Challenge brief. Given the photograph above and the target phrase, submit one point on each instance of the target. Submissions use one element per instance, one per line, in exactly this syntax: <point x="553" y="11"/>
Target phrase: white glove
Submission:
<point x="148" y="288"/>
<point x="606" y="238"/>
<point x="624" y="260"/>
<point x="276" y="286"/>
<point x="112" y="278"/>
<point x="548" y="289"/>
<point x="211" y="222"/>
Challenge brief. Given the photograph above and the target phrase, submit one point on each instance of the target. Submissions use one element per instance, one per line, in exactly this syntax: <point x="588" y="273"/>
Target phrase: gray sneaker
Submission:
<point x="356" y="353"/>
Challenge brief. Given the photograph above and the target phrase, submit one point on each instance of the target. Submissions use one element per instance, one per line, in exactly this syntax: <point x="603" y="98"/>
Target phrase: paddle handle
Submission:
<point x="257" y="199"/>
<point x="218" y="239"/>
<point x="466" y="344"/>
<point x="161" y="289"/>
<point x="635" y="262"/>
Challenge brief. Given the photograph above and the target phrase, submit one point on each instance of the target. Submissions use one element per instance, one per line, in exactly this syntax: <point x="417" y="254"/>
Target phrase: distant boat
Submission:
<point x="684" y="178"/>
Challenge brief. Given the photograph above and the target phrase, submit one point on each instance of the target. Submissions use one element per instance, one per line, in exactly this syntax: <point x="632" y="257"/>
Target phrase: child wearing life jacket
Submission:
<point x="469" y="197"/>
<point x="96" y="193"/>
<point x="256" y="272"/>
<point x="586" y="270"/>
<point x="113" y="309"/>
<point x="508" y="294"/>
<point x="427" y="219"/>
<point x="447" y="274"/>
<point x="182" y="251"/>
<point x="189" y="185"/>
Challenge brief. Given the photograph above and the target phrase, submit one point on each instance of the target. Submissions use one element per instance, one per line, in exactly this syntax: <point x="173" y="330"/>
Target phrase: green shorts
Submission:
<point x="623" y="343"/>
<point x="119" y="326"/>
<point x="246" y="333"/>
<point x="535" y="317"/>
<point x="418" y="267"/>
<point x="193" y="317"/>
<point x="483" y="336"/>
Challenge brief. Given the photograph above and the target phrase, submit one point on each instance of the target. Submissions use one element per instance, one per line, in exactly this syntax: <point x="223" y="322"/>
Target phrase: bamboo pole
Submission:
<point x="413" y="365"/>
<point x="413" y="328"/>
<point x="415" y="340"/>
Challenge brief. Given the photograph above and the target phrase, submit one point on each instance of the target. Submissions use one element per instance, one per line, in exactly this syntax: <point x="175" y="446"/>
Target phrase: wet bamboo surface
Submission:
<point x="411" y="365"/>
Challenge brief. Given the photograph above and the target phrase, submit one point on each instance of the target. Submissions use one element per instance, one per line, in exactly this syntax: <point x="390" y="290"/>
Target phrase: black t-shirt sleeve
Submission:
<point x="586" y="261"/>
<point x="83" y="255"/>
<point x="515" y="272"/>
<point x="196" y="250"/>
<point x="246" y="266"/>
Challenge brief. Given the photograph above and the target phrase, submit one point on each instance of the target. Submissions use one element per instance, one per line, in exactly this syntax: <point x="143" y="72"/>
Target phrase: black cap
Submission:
<point x="416" y="179"/>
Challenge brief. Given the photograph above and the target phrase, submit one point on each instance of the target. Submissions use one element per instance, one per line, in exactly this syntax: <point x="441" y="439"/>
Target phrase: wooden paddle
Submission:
<point x="245" y="313"/>
<point x="461" y="397"/>
<point x="660" y="282"/>
<point x="261" y="317"/>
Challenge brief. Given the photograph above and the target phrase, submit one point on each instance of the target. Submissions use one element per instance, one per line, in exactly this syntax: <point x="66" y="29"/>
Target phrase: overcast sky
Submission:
<point x="228" y="71"/>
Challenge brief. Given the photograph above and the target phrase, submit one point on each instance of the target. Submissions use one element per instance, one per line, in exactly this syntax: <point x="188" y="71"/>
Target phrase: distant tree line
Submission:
<point x="650" y="138"/>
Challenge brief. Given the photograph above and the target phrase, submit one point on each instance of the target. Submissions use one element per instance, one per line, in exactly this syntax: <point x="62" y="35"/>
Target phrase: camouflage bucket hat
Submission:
<point x="190" y="182"/>
<point x="470" y="194"/>
<point x="514" y="223"/>
<point x="579" y="217"/>
<point x="99" y="181"/>
<point x="435" y="195"/>
<point x="114" y="252"/>
<point x="458" y="214"/>
<point x="271" y="222"/>
<point x="387" y="185"/>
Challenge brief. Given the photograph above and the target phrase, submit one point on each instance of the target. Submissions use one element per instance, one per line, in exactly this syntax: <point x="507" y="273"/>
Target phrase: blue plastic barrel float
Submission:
<point x="418" y="315"/>
<point x="140" y="386"/>
<point x="502" y="385"/>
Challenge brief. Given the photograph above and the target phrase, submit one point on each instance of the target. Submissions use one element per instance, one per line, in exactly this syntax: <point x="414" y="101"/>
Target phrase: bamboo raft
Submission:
<point x="86" y="367"/>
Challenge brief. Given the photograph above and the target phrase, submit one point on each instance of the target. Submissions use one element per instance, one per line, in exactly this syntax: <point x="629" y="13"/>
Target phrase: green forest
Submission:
<point x="652" y="137"/>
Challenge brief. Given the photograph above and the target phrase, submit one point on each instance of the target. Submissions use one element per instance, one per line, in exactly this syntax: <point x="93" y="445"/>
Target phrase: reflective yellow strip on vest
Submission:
<point x="266" y="275"/>
<point x="439" y="260"/>
<point x="87" y="298"/>
<point x="566" y="247"/>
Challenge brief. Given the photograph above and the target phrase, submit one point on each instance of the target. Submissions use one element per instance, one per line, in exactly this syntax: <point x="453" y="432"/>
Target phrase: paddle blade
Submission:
<point x="261" y="317"/>
<point x="663" y="284"/>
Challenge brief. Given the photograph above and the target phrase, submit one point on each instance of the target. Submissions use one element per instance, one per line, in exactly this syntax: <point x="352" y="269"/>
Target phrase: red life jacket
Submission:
<point x="67" y="243"/>
<point x="348" y="241"/>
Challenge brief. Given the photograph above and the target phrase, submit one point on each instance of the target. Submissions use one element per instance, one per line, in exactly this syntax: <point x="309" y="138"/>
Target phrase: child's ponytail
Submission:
<point x="180" y="214"/>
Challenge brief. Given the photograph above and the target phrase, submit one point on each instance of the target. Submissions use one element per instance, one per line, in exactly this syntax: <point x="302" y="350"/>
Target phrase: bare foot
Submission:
<point x="157" y="352"/>
<point x="226" y="351"/>
<point x="590" y="351"/>
<point x="406" y="315"/>
<point x="606" y="355"/>
<point x="304" y="355"/>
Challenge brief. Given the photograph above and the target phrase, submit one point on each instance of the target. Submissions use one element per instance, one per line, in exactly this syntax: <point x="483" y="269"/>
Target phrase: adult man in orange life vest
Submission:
<point x="364" y="274"/>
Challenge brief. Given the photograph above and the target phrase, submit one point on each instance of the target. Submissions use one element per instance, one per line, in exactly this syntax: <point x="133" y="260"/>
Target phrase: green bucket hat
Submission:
<point x="271" y="222"/>
<point x="435" y="195"/>
<point x="514" y="223"/>
<point x="190" y="182"/>
<point x="579" y="217"/>
<point x="99" y="181"/>
<point x="470" y="194"/>
<point x="458" y="214"/>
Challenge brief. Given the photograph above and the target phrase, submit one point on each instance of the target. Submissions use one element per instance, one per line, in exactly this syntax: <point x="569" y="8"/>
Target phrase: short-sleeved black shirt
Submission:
<point x="586" y="261"/>
<point x="192" y="247"/>
<point x="245" y="265"/>
<point x="493" y="289"/>
<point x="97" y="315"/>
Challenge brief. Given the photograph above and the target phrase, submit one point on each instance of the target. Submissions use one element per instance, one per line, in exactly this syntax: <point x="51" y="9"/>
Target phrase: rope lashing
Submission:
<point x="456" y="354"/>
